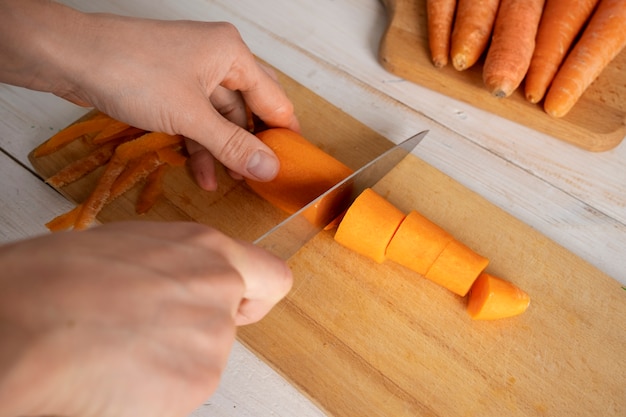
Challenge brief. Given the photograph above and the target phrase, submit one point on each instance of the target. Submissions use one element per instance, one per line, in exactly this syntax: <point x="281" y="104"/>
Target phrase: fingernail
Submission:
<point x="263" y="166"/>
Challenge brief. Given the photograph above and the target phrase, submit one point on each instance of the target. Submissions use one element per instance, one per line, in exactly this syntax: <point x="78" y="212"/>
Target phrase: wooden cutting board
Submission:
<point x="596" y="123"/>
<point x="367" y="339"/>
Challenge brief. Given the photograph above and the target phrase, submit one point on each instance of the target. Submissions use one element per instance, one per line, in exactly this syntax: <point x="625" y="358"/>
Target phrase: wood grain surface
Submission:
<point x="596" y="123"/>
<point x="367" y="339"/>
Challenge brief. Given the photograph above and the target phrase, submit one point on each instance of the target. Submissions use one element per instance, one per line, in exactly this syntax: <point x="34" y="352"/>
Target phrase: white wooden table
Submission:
<point x="574" y="197"/>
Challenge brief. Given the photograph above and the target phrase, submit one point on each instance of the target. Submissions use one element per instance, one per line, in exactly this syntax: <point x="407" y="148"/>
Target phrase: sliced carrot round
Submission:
<point x="493" y="298"/>
<point x="369" y="224"/>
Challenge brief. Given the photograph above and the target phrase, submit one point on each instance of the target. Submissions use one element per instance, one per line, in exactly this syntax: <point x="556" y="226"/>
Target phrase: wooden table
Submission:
<point x="575" y="197"/>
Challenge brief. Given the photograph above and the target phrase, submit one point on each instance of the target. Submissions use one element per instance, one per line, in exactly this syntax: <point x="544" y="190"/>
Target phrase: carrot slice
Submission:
<point x="71" y="133"/>
<point x="512" y="45"/>
<point x="83" y="166"/>
<point x="64" y="221"/>
<point x="368" y="225"/>
<point x="472" y="31"/>
<point x="457" y="267"/>
<point x="440" y="15"/>
<point x="147" y="143"/>
<point x="152" y="191"/>
<point x="305" y="172"/>
<point x="560" y="23"/>
<point x="602" y="40"/>
<point x="417" y="243"/>
<point x="492" y="298"/>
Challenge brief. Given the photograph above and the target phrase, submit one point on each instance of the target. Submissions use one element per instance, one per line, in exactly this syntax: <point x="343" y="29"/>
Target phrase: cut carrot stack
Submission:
<point x="492" y="298"/>
<point x="368" y="225"/>
<point x="305" y="172"/>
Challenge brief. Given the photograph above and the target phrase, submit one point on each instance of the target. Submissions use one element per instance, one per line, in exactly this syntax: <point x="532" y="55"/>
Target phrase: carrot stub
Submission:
<point x="417" y="243"/>
<point x="457" y="267"/>
<point x="368" y="225"/>
<point x="560" y="23"/>
<point x="492" y="298"/>
<point x="512" y="45"/>
<point x="440" y="15"/>
<point x="602" y="40"/>
<point x="305" y="172"/>
<point x="472" y="29"/>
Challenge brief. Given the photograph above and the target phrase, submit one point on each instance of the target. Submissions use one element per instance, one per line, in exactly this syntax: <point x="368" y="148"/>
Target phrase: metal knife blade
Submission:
<point x="286" y="238"/>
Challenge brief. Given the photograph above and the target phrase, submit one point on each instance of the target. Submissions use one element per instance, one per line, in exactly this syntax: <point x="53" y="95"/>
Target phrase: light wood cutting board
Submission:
<point x="365" y="339"/>
<point x="596" y="123"/>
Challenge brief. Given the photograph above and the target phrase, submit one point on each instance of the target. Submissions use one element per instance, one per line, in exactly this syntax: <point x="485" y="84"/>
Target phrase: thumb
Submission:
<point x="235" y="147"/>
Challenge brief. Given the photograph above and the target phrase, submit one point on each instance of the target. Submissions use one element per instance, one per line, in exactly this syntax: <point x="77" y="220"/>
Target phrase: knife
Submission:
<point x="286" y="238"/>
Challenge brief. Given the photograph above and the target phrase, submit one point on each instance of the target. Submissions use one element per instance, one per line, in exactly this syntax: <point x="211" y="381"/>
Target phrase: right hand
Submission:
<point x="126" y="319"/>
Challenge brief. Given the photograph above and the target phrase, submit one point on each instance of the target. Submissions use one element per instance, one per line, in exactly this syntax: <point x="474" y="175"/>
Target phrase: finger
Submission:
<point x="230" y="104"/>
<point x="202" y="165"/>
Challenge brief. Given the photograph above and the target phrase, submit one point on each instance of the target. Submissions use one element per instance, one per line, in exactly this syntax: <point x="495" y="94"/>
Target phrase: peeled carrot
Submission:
<point x="305" y="172"/>
<point x="457" y="267"/>
<point x="368" y="225"/>
<point x="152" y="190"/>
<point x="417" y="243"/>
<point x="561" y="22"/>
<point x="472" y="29"/>
<point x="492" y="298"/>
<point x="440" y="15"/>
<point x="71" y="133"/>
<point x="602" y="40"/>
<point x="512" y="45"/>
<point x="83" y="166"/>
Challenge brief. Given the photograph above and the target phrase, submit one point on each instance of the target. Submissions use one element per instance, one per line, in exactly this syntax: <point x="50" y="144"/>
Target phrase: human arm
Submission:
<point x="179" y="77"/>
<point x="126" y="319"/>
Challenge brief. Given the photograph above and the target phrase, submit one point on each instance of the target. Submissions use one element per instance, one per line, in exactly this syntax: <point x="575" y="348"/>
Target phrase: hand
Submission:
<point x="126" y="319"/>
<point x="178" y="77"/>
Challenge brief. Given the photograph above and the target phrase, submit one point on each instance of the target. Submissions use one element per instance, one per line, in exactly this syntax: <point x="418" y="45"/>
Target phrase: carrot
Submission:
<point x="440" y="15"/>
<point x="71" y="133"/>
<point x="417" y="243"/>
<point x="136" y="170"/>
<point x="305" y="171"/>
<point x="561" y="22"/>
<point x="129" y="133"/>
<point x="172" y="156"/>
<point x="147" y="143"/>
<point x="457" y="267"/>
<point x="83" y="166"/>
<point x="472" y="30"/>
<point x="64" y="221"/>
<point x="152" y="190"/>
<point x="100" y="194"/>
<point x="602" y="40"/>
<point x="493" y="298"/>
<point x="368" y="225"/>
<point x="512" y="45"/>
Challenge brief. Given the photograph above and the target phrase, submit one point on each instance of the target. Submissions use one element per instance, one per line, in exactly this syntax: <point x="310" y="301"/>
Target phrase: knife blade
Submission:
<point x="287" y="237"/>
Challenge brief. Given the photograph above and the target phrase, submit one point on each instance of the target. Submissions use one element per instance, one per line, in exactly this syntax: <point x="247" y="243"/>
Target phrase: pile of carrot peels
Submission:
<point x="129" y="156"/>
<point x="558" y="47"/>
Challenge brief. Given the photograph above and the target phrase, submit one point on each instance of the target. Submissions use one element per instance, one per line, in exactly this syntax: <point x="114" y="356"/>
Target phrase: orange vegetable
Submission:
<point x="305" y="172"/>
<point x="512" y="45"/>
<point x="561" y="22"/>
<point x="368" y="225"/>
<point x="83" y="166"/>
<point x="147" y="143"/>
<point x="172" y="155"/>
<point x="417" y="243"/>
<point x="457" y="267"/>
<point x="152" y="191"/>
<point x="71" y="133"/>
<point x="602" y="40"/>
<point x="472" y="30"/>
<point x="440" y="15"/>
<point x="64" y="221"/>
<point x="134" y="172"/>
<point x="493" y="298"/>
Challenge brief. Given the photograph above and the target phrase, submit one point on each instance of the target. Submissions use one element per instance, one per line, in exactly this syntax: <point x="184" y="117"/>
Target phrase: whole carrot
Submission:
<point x="602" y="40"/>
<point x="472" y="29"/>
<point x="512" y="45"/>
<point x="561" y="22"/>
<point x="440" y="15"/>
